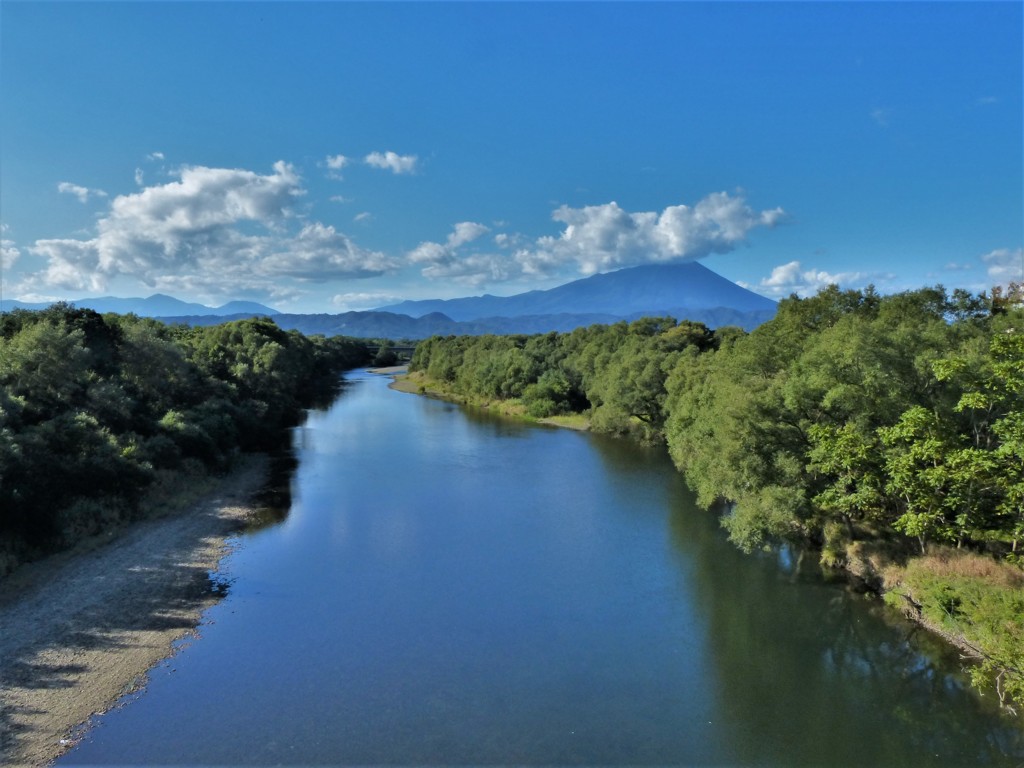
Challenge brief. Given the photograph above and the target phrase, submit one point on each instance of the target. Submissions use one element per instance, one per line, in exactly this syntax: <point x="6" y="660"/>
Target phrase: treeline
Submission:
<point x="853" y="422"/>
<point x="97" y="410"/>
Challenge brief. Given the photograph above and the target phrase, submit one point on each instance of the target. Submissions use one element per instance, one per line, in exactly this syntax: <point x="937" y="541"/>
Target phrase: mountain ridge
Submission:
<point x="157" y="305"/>
<point x="683" y="291"/>
<point x="650" y="289"/>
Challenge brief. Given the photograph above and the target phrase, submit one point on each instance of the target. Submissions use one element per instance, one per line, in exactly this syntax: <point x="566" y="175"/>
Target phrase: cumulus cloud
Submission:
<point x="474" y="270"/>
<point x="792" y="278"/>
<point x="437" y="253"/>
<point x="505" y="240"/>
<point x="320" y="253"/>
<point x="598" y="238"/>
<point x="334" y="165"/>
<point x="174" y="225"/>
<point x="82" y="193"/>
<point x="70" y="264"/>
<point x="444" y="260"/>
<point x="9" y="253"/>
<point x="602" y="237"/>
<point x="1005" y="265"/>
<point x="213" y="226"/>
<point x="465" y="232"/>
<point x="392" y="161"/>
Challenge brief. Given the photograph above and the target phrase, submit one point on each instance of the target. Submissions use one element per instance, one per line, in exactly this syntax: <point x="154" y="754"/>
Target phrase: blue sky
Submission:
<point x="321" y="157"/>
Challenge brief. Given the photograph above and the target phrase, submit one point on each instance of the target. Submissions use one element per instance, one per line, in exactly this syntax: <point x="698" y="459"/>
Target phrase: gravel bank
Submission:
<point x="79" y="630"/>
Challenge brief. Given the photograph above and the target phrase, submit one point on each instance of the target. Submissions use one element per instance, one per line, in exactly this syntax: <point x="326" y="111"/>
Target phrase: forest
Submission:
<point x="101" y="415"/>
<point x="884" y="433"/>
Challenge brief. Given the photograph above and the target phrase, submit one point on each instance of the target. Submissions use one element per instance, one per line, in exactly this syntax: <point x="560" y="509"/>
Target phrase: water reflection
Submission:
<point x="273" y="501"/>
<point x="871" y="685"/>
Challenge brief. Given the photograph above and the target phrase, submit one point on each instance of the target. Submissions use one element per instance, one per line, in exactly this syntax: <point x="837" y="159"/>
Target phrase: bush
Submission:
<point x="979" y="603"/>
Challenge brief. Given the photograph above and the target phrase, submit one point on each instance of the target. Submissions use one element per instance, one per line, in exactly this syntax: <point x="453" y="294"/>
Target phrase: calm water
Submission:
<point x="449" y="588"/>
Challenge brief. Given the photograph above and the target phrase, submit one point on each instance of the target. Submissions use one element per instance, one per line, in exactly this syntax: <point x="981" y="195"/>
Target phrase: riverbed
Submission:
<point x="449" y="587"/>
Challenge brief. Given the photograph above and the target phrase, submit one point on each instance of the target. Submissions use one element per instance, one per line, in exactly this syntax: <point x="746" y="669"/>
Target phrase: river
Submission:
<point x="451" y="588"/>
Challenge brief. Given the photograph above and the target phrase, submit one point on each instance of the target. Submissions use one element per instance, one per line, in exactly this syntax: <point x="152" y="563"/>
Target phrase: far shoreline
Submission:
<point x="417" y="384"/>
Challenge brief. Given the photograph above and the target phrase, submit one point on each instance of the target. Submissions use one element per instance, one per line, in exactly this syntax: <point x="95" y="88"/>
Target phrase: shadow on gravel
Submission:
<point x="163" y="594"/>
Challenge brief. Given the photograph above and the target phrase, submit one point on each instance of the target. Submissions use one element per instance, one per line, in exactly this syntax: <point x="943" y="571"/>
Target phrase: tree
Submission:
<point x="993" y="399"/>
<point x="943" y="484"/>
<point x="385" y="356"/>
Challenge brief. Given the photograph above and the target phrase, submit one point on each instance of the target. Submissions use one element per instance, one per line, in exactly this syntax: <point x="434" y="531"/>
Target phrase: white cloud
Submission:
<point x="392" y="161"/>
<point x="82" y="193"/>
<point x="140" y="177"/>
<point x="9" y="254"/>
<point x="320" y="253"/>
<point x="475" y="270"/>
<point x="437" y="253"/>
<point x="443" y="260"/>
<point x="604" y="237"/>
<point x="598" y="238"/>
<point x="339" y="199"/>
<point x="213" y="229"/>
<point x="792" y="278"/>
<point x="175" y="225"/>
<point x="1005" y="265"/>
<point x="429" y="253"/>
<point x="71" y="264"/>
<point x="465" y="232"/>
<point x="362" y="217"/>
<point x="38" y="298"/>
<point x="155" y="156"/>
<point x="334" y="165"/>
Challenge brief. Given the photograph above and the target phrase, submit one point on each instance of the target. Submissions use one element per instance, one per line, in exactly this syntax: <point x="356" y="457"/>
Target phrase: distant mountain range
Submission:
<point x="157" y="305"/>
<point x="684" y="291"/>
<point x="674" y="289"/>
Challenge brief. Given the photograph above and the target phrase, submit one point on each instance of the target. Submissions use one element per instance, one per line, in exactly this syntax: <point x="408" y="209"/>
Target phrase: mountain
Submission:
<point x="388" y="325"/>
<point x="157" y="305"/>
<point x="245" y="307"/>
<point x="684" y="291"/>
<point x="681" y="290"/>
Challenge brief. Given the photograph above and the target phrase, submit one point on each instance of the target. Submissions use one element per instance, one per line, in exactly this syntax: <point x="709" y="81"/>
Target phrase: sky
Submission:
<point x="326" y="157"/>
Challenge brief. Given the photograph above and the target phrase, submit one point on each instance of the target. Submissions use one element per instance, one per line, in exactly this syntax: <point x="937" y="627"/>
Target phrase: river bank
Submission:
<point x="83" y="628"/>
<point x="418" y="384"/>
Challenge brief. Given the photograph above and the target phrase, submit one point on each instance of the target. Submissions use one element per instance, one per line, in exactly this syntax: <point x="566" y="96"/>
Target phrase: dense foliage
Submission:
<point x="97" y="409"/>
<point x="849" y="418"/>
<point x="848" y="414"/>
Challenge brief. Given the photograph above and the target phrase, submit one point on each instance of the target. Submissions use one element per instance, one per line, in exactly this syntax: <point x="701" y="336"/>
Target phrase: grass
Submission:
<point x="977" y="603"/>
<point x="419" y="383"/>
